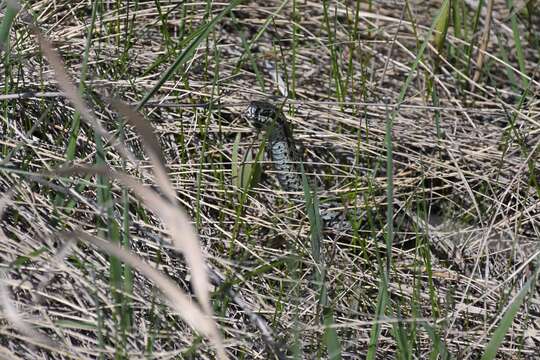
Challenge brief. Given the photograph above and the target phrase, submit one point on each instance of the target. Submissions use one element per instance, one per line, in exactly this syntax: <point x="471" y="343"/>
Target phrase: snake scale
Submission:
<point x="286" y="160"/>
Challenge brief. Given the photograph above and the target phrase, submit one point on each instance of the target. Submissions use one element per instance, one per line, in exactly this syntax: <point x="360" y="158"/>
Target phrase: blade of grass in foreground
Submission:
<point x="508" y="318"/>
<point x="383" y="296"/>
<point x="9" y="15"/>
<point x="198" y="36"/>
<point x="438" y="350"/>
<point x="382" y="300"/>
<point x="76" y="121"/>
<point x="190" y="311"/>
<point x="516" y="32"/>
<point x="184" y="240"/>
<point x="109" y="229"/>
<point x="441" y="26"/>
<point x="331" y="339"/>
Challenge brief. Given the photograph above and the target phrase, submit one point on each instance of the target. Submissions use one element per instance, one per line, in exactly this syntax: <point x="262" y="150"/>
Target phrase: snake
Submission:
<point x="281" y="149"/>
<point x="285" y="159"/>
<point x="281" y="146"/>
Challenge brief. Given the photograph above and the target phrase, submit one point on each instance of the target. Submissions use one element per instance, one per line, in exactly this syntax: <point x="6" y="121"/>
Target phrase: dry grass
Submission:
<point x="464" y="181"/>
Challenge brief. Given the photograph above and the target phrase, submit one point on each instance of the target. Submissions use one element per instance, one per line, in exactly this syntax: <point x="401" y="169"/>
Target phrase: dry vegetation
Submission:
<point x="461" y="174"/>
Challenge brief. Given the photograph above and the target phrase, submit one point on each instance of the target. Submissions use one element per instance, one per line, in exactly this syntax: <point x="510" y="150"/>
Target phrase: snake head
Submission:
<point x="261" y="113"/>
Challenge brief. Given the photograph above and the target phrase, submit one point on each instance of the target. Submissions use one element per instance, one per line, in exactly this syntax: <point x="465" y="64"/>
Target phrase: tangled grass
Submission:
<point x="422" y="116"/>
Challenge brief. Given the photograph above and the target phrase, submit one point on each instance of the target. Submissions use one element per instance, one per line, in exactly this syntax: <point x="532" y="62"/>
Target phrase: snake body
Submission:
<point x="281" y="148"/>
<point x="285" y="159"/>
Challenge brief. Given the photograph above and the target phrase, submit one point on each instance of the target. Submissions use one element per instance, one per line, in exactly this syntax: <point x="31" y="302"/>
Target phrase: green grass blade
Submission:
<point x="382" y="301"/>
<point x="76" y="120"/>
<point x="508" y="318"/>
<point x="198" y="36"/>
<point x="315" y="222"/>
<point x="331" y="338"/>
<point x="389" y="195"/>
<point x="5" y="27"/>
<point x="74" y="131"/>
<point x="403" y="345"/>
<point x="441" y="25"/>
<point x="520" y="55"/>
<point x="383" y="296"/>
<point x="438" y="350"/>
<point x="261" y="31"/>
